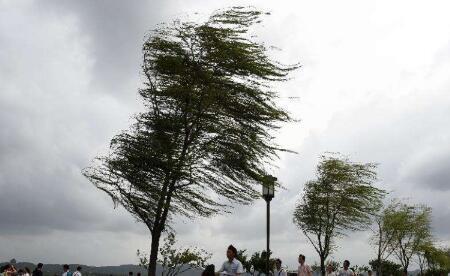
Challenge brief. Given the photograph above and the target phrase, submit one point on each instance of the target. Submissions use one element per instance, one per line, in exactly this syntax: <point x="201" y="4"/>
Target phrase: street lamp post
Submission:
<point x="268" y="192"/>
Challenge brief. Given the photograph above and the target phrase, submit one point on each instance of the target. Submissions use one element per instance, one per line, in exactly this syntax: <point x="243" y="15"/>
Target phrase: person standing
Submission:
<point x="279" y="271"/>
<point x="38" y="270"/>
<point x="303" y="268"/>
<point x="346" y="270"/>
<point x="329" y="271"/>
<point x="66" y="270"/>
<point x="232" y="266"/>
<point x="78" y="272"/>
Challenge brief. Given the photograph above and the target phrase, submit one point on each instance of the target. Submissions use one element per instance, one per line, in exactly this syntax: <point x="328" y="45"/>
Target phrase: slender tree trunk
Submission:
<point x="379" y="268"/>
<point x="322" y="265"/>
<point x="156" y="235"/>
<point x="380" y="241"/>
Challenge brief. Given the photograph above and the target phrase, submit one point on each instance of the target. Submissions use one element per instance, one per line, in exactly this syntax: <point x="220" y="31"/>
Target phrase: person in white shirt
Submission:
<point x="330" y="271"/>
<point x="66" y="270"/>
<point x="303" y="268"/>
<point x="346" y="271"/>
<point x="78" y="272"/>
<point x="279" y="271"/>
<point x="232" y="266"/>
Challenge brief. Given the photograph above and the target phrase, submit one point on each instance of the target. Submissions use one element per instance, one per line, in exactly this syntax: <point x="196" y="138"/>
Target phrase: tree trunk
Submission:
<point x="380" y="241"/>
<point x="379" y="268"/>
<point x="322" y="265"/>
<point x="156" y="235"/>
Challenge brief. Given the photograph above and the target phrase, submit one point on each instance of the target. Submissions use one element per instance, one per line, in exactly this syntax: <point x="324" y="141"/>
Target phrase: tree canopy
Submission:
<point x="411" y="227"/>
<point x="204" y="141"/>
<point x="341" y="199"/>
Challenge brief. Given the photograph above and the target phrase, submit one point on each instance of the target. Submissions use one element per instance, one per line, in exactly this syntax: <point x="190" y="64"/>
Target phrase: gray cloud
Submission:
<point x="116" y="32"/>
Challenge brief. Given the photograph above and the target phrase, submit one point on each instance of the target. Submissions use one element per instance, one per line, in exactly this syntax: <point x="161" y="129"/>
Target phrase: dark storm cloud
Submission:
<point x="433" y="171"/>
<point x="117" y="30"/>
<point x="53" y="118"/>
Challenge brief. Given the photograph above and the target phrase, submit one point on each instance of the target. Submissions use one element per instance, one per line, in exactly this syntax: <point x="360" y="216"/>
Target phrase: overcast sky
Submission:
<point x="374" y="85"/>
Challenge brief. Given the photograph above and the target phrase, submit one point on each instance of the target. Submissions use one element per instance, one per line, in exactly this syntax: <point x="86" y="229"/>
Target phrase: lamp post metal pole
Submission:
<point x="268" y="237"/>
<point x="268" y="194"/>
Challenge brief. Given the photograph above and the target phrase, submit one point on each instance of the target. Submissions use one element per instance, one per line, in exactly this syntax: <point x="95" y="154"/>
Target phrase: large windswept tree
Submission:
<point x="342" y="198"/>
<point x="204" y="141"/>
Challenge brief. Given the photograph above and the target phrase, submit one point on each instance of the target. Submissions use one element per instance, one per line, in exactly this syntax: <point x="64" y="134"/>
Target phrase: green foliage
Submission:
<point x="243" y="258"/>
<point x="436" y="259"/>
<point x="341" y="199"/>
<point x="359" y="269"/>
<point x="206" y="129"/>
<point x="411" y="227"/>
<point x="389" y="267"/>
<point x="383" y="237"/>
<point x="258" y="261"/>
<point x="204" y="141"/>
<point x="177" y="261"/>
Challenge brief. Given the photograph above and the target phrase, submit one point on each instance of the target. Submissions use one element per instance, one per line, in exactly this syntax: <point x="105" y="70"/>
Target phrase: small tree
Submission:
<point x="341" y="199"/>
<point x="243" y="258"/>
<point x="383" y="236"/>
<point x="411" y="225"/>
<point x="176" y="261"/>
<point x="437" y="260"/>
<point x="258" y="261"/>
<point x="389" y="267"/>
<point x="204" y="141"/>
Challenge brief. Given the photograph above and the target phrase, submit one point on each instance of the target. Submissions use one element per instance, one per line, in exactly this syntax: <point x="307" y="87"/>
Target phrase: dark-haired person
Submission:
<point x="209" y="270"/>
<point x="66" y="270"/>
<point x="27" y="272"/>
<point x="232" y="266"/>
<point x="5" y="269"/>
<point x="279" y="271"/>
<point x="78" y="272"/>
<point x="303" y="268"/>
<point x="38" y="270"/>
<point x="346" y="271"/>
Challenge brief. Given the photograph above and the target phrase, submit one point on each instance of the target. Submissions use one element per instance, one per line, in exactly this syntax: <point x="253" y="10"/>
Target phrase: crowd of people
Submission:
<point x="10" y="270"/>
<point x="233" y="267"/>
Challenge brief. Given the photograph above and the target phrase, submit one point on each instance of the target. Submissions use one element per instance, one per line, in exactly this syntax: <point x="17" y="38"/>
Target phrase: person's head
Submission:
<point x="369" y="273"/>
<point x="231" y="252"/>
<point x="329" y="268"/>
<point x="278" y="263"/>
<point x="40" y="266"/>
<point x="138" y="274"/>
<point x="20" y="272"/>
<point x="301" y="259"/>
<point x="346" y="264"/>
<point x="78" y="268"/>
<point x="130" y="273"/>
<point x="27" y="270"/>
<point x="66" y="267"/>
<point x="209" y="270"/>
<point x="4" y="268"/>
